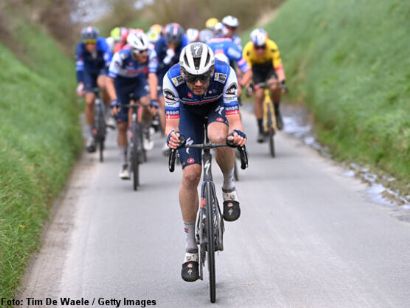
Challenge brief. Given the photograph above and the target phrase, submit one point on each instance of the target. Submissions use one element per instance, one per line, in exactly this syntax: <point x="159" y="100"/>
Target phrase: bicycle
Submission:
<point x="209" y="232"/>
<point x="137" y="152"/>
<point x="269" y="117"/>
<point x="100" y="126"/>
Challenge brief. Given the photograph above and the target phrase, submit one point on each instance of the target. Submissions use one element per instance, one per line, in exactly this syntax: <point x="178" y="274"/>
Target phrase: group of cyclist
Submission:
<point x="188" y="79"/>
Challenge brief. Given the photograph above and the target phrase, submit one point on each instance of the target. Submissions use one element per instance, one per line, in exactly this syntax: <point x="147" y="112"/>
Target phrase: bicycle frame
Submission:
<point x="209" y="222"/>
<point x="269" y="118"/>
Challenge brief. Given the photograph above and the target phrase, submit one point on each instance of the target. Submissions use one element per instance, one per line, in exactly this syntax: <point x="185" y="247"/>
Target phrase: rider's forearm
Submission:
<point x="235" y="122"/>
<point x="153" y="85"/>
<point x="281" y="73"/>
<point x="246" y="78"/>
<point x="111" y="89"/>
<point x="171" y="124"/>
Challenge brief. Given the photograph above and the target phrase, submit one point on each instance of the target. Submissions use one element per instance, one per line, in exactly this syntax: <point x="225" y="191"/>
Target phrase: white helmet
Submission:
<point x="220" y="30"/>
<point x="259" y="37"/>
<point x="197" y="59"/>
<point x="192" y="35"/>
<point x="138" y="40"/>
<point x="230" y="21"/>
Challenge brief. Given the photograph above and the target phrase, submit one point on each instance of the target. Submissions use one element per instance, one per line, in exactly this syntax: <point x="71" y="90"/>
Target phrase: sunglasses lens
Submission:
<point x="193" y="78"/>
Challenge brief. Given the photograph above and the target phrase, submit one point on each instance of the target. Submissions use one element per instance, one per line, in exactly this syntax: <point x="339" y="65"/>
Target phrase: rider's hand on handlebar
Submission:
<point x="80" y="89"/>
<point x="174" y="140"/>
<point x="115" y="107"/>
<point x="283" y="86"/>
<point x="154" y="103"/>
<point x="237" y="138"/>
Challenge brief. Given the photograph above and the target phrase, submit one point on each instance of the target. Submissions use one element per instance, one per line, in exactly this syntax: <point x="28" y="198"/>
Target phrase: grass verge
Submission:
<point x="348" y="60"/>
<point x="39" y="141"/>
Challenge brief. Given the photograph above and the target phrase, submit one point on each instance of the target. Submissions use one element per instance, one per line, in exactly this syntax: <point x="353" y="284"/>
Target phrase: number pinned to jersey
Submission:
<point x="178" y="80"/>
<point x="219" y="77"/>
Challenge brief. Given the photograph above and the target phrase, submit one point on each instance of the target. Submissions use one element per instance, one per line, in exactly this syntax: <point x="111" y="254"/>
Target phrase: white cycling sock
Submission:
<point x="124" y="154"/>
<point x="229" y="183"/>
<point x="189" y="229"/>
<point x="90" y="131"/>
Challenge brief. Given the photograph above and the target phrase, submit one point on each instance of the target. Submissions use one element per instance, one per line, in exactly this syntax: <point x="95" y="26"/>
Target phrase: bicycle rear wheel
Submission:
<point x="211" y="243"/>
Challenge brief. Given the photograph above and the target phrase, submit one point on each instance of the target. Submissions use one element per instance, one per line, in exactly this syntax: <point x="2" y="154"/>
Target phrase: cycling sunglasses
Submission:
<point x="140" y="52"/>
<point x="260" y="47"/>
<point x="194" y="78"/>
<point x="90" y="41"/>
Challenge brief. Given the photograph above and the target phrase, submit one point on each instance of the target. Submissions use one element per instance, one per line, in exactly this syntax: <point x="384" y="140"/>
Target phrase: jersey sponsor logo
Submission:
<point x="190" y="160"/>
<point x="189" y="141"/>
<point x="231" y="90"/>
<point x="219" y="77"/>
<point x="170" y="97"/>
<point x="219" y="110"/>
<point x="177" y="80"/>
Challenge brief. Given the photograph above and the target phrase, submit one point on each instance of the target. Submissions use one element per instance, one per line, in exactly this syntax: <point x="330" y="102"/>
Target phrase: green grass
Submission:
<point x="348" y="60"/>
<point x="39" y="140"/>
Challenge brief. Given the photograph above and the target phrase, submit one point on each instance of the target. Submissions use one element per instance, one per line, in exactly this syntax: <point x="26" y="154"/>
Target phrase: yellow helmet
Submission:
<point x="211" y="22"/>
<point x="116" y="33"/>
<point x="156" y="28"/>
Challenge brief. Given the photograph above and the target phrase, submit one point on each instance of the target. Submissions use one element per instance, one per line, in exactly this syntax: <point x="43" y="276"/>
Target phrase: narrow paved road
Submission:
<point x="309" y="236"/>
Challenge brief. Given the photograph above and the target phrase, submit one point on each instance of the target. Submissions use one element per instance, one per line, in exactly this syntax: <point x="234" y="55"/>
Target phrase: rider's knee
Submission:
<point x="144" y="101"/>
<point x="274" y="85"/>
<point x="101" y="81"/>
<point x="191" y="175"/>
<point x="259" y="94"/>
<point x="122" y="127"/>
<point x="218" y="138"/>
<point x="89" y="99"/>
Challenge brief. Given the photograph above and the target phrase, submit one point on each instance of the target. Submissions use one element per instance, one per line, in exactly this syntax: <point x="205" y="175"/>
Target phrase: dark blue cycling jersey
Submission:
<point x="193" y="111"/>
<point x="161" y="48"/>
<point x="92" y="64"/>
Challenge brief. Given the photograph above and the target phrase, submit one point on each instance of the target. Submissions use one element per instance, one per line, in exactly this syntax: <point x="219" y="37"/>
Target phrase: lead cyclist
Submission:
<point x="201" y="90"/>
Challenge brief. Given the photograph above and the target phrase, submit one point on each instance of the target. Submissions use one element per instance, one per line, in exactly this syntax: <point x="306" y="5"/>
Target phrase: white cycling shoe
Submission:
<point x="124" y="173"/>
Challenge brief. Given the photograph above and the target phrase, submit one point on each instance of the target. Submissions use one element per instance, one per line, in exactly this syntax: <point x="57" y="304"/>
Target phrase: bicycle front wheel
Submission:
<point x="211" y="243"/>
<point x="101" y="150"/>
<point x="271" y="131"/>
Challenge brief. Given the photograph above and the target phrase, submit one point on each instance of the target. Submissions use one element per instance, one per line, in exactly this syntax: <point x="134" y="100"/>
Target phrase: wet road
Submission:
<point x="309" y="236"/>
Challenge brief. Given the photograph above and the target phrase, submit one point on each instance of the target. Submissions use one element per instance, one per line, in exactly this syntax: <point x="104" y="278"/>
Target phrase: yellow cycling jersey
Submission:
<point x="270" y="56"/>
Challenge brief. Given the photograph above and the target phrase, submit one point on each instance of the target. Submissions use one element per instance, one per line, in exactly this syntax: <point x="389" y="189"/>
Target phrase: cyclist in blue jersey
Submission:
<point x="231" y="24"/>
<point x="201" y="90"/>
<point x="226" y="50"/>
<point x="93" y="57"/>
<point x="130" y="71"/>
<point x="168" y="49"/>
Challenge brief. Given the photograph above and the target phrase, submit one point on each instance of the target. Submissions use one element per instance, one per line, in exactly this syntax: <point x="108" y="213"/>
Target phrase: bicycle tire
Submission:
<point x="100" y="127"/>
<point x="101" y="150"/>
<point x="236" y="171"/>
<point x="135" y="169"/>
<point x="136" y="154"/>
<point x="211" y="244"/>
<point x="271" y="132"/>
